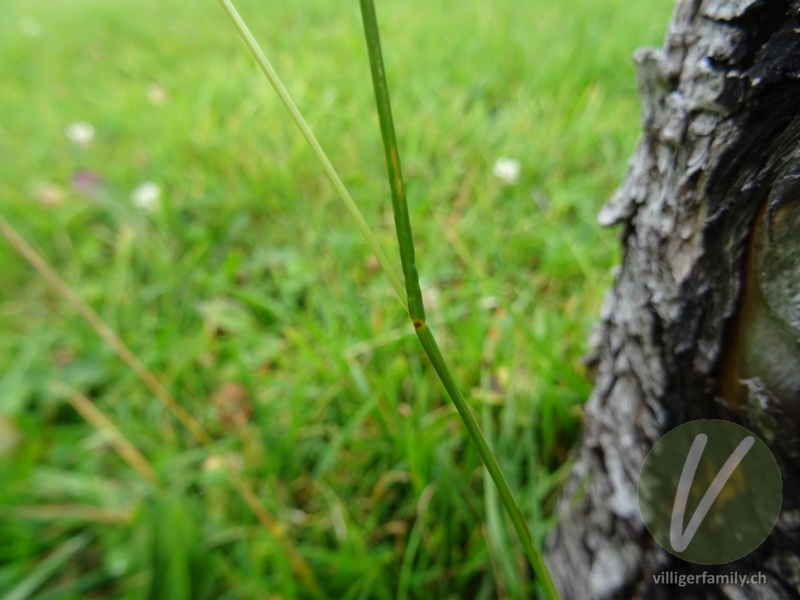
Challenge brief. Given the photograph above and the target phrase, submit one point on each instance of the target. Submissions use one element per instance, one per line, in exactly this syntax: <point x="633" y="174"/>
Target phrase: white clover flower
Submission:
<point x="146" y="196"/>
<point x="50" y="195"/>
<point x="157" y="94"/>
<point x="30" y="27"/>
<point x="218" y="462"/>
<point x="80" y="133"/>
<point x="507" y="170"/>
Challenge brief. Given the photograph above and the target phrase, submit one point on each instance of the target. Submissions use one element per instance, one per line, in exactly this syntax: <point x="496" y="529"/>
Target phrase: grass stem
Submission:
<point x="415" y="304"/>
<point x="416" y="308"/>
<point x="124" y="448"/>
<point x="531" y="551"/>
<point x="302" y="125"/>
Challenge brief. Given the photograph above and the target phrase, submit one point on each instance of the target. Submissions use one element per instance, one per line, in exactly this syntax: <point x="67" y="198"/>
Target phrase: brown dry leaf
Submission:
<point x="233" y="406"/>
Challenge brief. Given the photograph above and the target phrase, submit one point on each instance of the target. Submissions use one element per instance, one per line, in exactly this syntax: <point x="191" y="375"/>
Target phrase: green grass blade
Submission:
<point x="330" y="171"/>
<point x="402" y="223"/>
<point x="416" y="309"/>
<point x="531" y="551"/>
<point x="47" y="568"/>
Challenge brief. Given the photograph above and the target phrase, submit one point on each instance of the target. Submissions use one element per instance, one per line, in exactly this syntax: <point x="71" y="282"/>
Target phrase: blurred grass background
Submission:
<point x="241" y="283"/>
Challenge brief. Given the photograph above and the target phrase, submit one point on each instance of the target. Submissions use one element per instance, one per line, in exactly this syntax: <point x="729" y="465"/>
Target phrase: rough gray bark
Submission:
<point x="721" y="130"/>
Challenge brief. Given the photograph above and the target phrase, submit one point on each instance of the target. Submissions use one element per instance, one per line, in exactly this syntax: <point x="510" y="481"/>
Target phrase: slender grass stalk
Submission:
<point x="402" y="223"/>
<point x="71" y="512"/>
<point x="531" y="551"/>
<point x="126" y="450"/>
<point x="302" y="125"/>
<point x="415" y="304"/>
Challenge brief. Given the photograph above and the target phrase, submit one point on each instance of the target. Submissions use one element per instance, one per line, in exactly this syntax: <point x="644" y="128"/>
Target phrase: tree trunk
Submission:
<point x="709" y="210"/>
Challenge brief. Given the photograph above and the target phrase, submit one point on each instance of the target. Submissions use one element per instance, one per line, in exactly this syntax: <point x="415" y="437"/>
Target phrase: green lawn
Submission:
<point x="246" y="289"/>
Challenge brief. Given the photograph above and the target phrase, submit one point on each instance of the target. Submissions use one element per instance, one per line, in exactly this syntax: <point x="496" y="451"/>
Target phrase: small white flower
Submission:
<point x="507" y="170"/>
<point x="157" y="94"/>
<point x="218" y="462"/>
<point x="49" y="194"/>
<point x="146" y="196"/>
<point x="80" y="133"/>
<point x="30" y="27"/>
